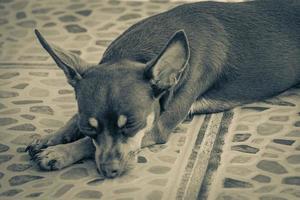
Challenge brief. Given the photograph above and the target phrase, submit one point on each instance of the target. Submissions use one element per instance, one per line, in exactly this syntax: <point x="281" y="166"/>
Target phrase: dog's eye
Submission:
<point x="131" y="128"/>
<point x="89" y="126"/>
<point x="129" y="132"/>
<point x="89" y="131"/>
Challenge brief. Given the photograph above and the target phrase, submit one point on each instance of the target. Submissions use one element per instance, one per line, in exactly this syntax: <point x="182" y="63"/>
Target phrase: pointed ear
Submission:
<point x="166" y="69"/>
<point x="72" y="65"/>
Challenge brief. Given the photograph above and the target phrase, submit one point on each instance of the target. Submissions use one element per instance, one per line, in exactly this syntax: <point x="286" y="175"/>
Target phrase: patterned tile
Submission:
<point x="261" y="160"/>
<point x="83" y="28"/>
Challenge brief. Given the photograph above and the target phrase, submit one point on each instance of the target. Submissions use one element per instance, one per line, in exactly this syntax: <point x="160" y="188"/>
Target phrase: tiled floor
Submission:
<point x="260" y="158"/>
<point x="85" y="28"/>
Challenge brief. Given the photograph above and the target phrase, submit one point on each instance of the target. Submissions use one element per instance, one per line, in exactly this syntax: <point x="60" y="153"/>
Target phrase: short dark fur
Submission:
<point x="240" y="52"/>
<point x="253" y="41"/>
<point x="200" y="57"/>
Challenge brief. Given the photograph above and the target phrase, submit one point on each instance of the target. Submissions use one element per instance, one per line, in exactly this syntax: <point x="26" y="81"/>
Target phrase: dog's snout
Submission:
<point x="110" y="170"/>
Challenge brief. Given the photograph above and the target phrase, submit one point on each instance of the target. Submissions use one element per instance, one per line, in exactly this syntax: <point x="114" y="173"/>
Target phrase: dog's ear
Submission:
<point x="72" y="65"/>
<point x="166" y="69"/>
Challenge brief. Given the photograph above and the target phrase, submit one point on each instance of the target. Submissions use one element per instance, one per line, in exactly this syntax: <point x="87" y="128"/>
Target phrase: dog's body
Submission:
<point x="202" y="57"/>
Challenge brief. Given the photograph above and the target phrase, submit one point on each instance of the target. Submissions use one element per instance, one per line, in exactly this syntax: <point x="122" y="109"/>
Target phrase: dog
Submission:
<point x="196" y="58"/>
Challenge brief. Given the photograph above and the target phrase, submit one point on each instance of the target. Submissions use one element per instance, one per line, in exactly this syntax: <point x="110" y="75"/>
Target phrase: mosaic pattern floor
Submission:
<point x="261" y="152"/>
<point x="85" y="29"/>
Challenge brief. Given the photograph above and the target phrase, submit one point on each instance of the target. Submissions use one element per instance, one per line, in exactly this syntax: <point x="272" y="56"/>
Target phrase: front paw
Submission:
<point x="37" y="145"/>
<point x="155" y="136"/>
<point x="52" y="158"/>
<point x="148" y="140"/>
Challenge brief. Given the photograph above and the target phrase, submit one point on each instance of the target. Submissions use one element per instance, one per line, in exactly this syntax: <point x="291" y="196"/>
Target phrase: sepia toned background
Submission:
<point x="251" y="152"/>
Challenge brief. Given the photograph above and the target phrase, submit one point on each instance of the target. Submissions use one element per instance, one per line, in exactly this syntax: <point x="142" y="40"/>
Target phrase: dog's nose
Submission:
<point x="110" y="170"/>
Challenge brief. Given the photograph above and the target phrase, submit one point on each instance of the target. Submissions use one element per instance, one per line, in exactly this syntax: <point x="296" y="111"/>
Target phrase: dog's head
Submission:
<point x="119" y="101"/>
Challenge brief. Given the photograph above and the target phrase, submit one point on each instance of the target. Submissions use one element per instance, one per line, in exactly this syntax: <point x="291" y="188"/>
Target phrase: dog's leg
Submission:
<point x="66" y="134"/>
<point x="167" y="121"/>
<point x="206" y="106"/>
<point x="179" y="108"/>
<point x="176" y="112"/>
<point x="63" y="155"/>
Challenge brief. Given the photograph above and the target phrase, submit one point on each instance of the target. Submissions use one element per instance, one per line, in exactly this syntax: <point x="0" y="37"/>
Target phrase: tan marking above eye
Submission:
<point x="122" y="121"/>
<point x="93" y="122"/>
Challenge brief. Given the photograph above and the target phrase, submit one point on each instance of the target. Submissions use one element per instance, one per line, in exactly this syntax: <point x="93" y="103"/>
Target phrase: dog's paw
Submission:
<point x="147" y="140"/>
<point x="52" y="158"/>
<point x="37" y="145"/>
<point x="154" y="136"/>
